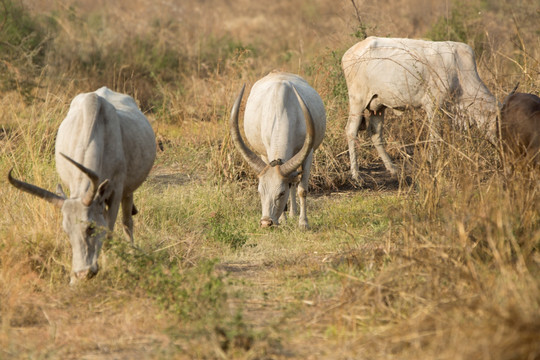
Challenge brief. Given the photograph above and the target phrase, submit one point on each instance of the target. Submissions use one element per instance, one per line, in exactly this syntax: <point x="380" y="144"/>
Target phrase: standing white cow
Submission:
<point x="284" y="123"/>
<point x="400" y="73"/>
<point x="105" y="148"/>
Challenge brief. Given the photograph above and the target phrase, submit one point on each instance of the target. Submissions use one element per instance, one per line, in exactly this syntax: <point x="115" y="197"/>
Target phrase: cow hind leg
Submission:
<point x="376" y="120"/>
<point x="356" y="119"/>
<point x="128" y="209"/>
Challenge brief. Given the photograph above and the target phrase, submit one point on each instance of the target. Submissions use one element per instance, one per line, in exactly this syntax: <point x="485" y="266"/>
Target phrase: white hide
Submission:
<point x="107" y="133"/>
<point x="275" y="127"/>
<point x="273" y="121"/>
<point x="105" y="148"/>
<point x="405" y="73"/>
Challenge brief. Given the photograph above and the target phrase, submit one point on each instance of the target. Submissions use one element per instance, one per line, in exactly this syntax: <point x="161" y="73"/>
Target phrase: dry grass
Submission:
<point x="442" y="264"/>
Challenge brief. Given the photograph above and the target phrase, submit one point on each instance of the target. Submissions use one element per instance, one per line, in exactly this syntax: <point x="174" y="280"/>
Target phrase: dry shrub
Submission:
<point x="441" y="293"/>
<point x="457" y="278"/>
<point x="18" y="307"/>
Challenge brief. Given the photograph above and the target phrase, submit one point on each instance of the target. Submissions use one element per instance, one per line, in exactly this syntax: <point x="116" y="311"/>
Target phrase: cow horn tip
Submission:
<point x="10" y="178"/>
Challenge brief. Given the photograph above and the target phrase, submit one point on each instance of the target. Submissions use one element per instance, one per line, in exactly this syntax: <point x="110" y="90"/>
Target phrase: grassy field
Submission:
<point x="441" y="263"/>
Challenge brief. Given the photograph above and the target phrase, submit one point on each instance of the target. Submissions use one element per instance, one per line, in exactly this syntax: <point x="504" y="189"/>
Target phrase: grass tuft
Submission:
<point x="441" y="262"/>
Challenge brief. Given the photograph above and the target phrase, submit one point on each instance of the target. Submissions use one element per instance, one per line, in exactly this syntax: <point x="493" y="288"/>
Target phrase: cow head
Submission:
<point x="484" y="112"/>
<point x="274" y="178"/>
<point x="500" y="108"/>
<point x="83" y="220"/>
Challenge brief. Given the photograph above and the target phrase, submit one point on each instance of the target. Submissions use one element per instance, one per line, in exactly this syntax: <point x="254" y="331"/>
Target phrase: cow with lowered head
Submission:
<point x="105" y="148"/>
<point x="398" y="74"/>
<point x="284" y="122"/>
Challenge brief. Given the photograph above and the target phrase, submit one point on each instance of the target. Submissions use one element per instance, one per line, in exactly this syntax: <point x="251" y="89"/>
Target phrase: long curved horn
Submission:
<point x="251" y="158"/>
<point x="294" y="163"/>
<point x="94" y="181"/>
<point x="54" y="199"/>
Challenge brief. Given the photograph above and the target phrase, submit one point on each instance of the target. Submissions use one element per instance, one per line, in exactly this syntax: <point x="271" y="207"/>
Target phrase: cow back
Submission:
<point x="273" y="120"/>
<point x="107" y="133"/>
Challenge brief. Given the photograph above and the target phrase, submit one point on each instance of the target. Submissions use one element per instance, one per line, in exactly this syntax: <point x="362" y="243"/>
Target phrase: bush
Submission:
<point x="191" y="293"/>
<point x="224" y="230"/>
<point x="22" y="48"/>
<point x="462" y="25"/>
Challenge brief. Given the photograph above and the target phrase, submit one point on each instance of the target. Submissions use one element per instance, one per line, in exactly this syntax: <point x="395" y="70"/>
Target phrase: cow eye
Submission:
<point x="90" y="230"/>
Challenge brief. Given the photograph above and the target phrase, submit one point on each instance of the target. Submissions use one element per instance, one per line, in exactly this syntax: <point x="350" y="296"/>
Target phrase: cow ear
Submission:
<point x="60" y="191"/>
<point x="295" y="177"/>
<point x="102" y="190"/>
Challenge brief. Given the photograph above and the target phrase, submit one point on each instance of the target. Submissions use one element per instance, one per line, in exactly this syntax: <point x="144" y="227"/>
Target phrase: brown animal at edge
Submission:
<point x="520" y="126"/>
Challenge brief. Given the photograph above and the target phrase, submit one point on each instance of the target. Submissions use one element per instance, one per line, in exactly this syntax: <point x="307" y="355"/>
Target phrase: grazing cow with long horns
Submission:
<point x="407" y="73"/>
<point x="284" y="122"/>
<point x="105" y="148"/>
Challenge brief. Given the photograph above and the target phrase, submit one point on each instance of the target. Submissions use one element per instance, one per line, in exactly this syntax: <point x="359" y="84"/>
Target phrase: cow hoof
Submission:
<point x="303" y="226"/>
<point x="358" y="180"/>
<point x="82" y="275"/>
<point x="266" y="223"/>
<point x="393" y="171"/>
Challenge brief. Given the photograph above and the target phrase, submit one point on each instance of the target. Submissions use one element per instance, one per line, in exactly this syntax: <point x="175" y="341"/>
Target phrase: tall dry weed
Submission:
<point x="453" y="276"/>
<point x="459" y="278"/>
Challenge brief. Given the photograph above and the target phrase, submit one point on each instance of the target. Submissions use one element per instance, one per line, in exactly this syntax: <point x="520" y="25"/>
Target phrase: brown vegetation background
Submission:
<point x="441" y="263"/>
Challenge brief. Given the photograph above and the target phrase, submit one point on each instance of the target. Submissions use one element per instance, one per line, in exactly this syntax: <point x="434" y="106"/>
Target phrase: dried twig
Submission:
<point x="357" y="12"/>
<point x="525" y="68"/>
<point x="360" y="22"/>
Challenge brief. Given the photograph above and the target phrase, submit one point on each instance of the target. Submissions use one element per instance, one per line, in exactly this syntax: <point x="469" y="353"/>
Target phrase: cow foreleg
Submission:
<point x="302" y="196"/>
<point x="113" y="205"/>
<point x="302" y="192"/>
<point x="292" y="200"/>
<point x="283" y="217"/>
<point x="127" y="219"/>
<point x="376" y="120"/>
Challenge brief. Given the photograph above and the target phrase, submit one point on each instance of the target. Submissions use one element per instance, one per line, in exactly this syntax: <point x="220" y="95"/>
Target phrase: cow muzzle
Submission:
<point x="267" y="222"/>
<point x="83" y="275"/>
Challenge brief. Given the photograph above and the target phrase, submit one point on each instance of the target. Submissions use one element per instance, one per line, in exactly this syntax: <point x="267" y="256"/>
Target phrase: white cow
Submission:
<point x="400" y="73"/>
<point x="284" y="123"/>
<point x="105" y="148"/>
